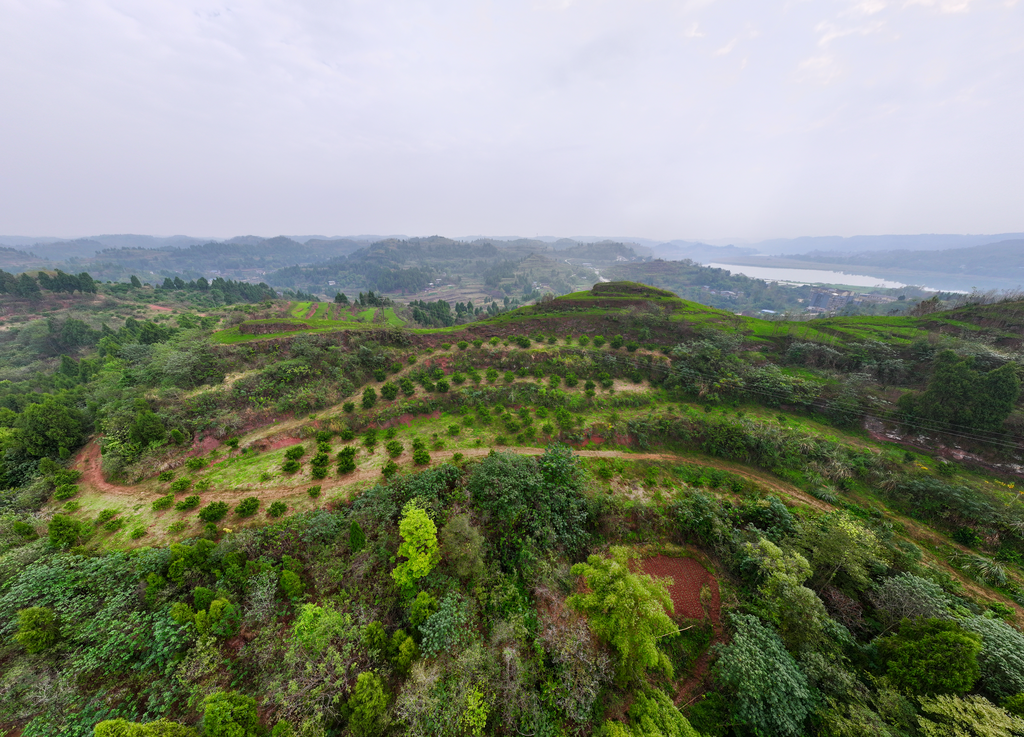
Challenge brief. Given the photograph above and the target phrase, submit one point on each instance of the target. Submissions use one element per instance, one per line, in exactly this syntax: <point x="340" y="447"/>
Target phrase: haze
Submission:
<point x="665" y="120"/>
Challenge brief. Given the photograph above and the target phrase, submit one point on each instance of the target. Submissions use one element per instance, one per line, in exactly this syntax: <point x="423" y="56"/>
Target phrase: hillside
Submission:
<point x="614" y="512"/>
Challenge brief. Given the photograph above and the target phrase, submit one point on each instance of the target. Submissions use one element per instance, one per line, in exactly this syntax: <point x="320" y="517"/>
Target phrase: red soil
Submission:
<point x="159" y="308"/>
<point x="688" y="576"/>
<point x="312" y="310"/>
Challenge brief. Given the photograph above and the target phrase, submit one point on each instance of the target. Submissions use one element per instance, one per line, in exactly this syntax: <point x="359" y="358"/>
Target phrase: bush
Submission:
<point x="295" y="452"/>
<point x="164" y="502"/>
<point x="394" y="448"/>
<point x="348" y="407"/>
<point x="291" y="466"/>
<point x="458" y="378"/>
<point x="324" y="436"/>
<point x="180" y="485"/>
<point x="463" y="345"/>
<point x="247" y="507"/>
<point x="113" y="525"/>
<point x="346" y="461"/>
<point x="277" y="509"/>
<point x="138" y="533"/>
<point x="214" y="512"/>
<point x="313" y="491"/>
<point x="291" y="584"/>
<point x="195" y="464"/>
<point x="368" y="705"/>
<point x="615" y="343"/>
<point x="421" y="457"/>
<point x="369" y="397"/>
<point x="64" y="531"/>
<point x="230" y="714"/>
<point x="165" y="476"/>
<point x="24" y="530"/>
<point x="632" y="345"/>
<point x="389" y="469"/>
<point x="65" y="491"/>
<point x="492" y="375"/>
<point x="370" y="438"/>
<point x="189" y="502"/>
<point x="443" y="386"/>
<point x="389" y="391"/>
<point x="931" y="656"/>
<point x="598" y="341"/>
<point x="454" y="430"/>
<point x="379" y="374"/>
<point x="177" y="436"/>
<point x="356" y="537"/>
<point x="37" y="629"/>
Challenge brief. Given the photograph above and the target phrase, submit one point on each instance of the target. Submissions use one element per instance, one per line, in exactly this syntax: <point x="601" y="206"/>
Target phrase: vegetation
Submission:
<point x="365" y="529"/>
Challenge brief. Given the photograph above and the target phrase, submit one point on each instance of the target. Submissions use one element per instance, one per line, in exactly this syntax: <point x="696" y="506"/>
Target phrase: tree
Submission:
<point x="795" y="608"/>
<point x="136" y="284"/>
<point x="628" y="610"/>
<point x="64" y="531"/>
<point x="463" y="546"/>
<point x="369" y="397"/>
<point x="931" y="656"/>
<point x="769" y="693"/>
<point x="230" y="714"/>
<point x="28" y="287"/>
<point x="369" y="705"/>
<point x="37" y="628"/>
<point x="960" y="396"/>
<point x="967" y="716"/>
<point x="340" y="298"/>
<point x="835" y="544"/>
<point x="1002" y="656"/>
<point x="652" y="715"/>
<point x="907" y="596"/>
<point x="419" y="546"/>
<point x="50" y="425"/>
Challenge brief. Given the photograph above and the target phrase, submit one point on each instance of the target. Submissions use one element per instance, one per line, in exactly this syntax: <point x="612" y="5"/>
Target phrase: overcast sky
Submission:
<point x="686" y="119"/>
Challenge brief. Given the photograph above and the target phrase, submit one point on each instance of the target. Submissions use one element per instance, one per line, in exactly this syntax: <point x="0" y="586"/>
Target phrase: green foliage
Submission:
<point x="421" y="457"/>
<point x="46" y="427"/>
<point x="967" y="716"/>
<point x="474" y="718"/>
<point x="164" y="502"/>
<point x="180" y="485"/>
<point x="368" y="706"/>
<point x="346" y="460"/>
<point x="214" y="512"/>
<point x="462" y="546"/>
<point x="532" y="503"/>
<point x="316" y="627"/>
<point x="356" y="537"/>
<point x="230" y="714"/>
<point x="189" y="502"/>
<point x="422" y="607"/>
<point x="291" y="585"/>
<point x="629" y="610"/>
<point x="389" y="390"/>
<point x="652" y="715"/>
<point x="64" y="531"/>
<point x="37" y="629"/>
<point x="295" y="452"/>
<point x="369" y="397"/>
<point x="959" y="396"/>
<point x="165" y="476"/>
<point x="419" y="546"/>
<point x="769" y="693"/>
<point x="247" y="507"/>
<point x="394" y="448"/>
<point x="445" y="629"/>
<point x="795" y="608"/>
<point x="837" y="544"/>
<point x="931" y="656"/>
<point x="195" y="464"/>
<point x="161" y="728"/>
<point x="1002" y="656"/>
<point x="277" y="509"/>
<point x="313" y="491"/>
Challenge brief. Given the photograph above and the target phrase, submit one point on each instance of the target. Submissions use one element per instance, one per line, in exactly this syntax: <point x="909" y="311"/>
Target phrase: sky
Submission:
<point x="693" y="119"/>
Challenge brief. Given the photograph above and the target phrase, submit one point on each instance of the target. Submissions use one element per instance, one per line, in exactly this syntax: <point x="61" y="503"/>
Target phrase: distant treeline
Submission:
<point x="29" y="287"/>
<point x="229" y="291"/>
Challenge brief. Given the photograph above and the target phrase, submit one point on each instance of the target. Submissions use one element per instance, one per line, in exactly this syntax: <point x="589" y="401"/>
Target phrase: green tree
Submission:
<point x="770" y="695"/>
<point x="419" y="546"/>
<point x="931" y="656"/>
<point x="37" y="629"/>
<point x="64" y="531"/>
<point x="463" y="546"/>
<point x="629" y="610"/>
<point x="230" y="714"/>
<point x="652" y="715"/>
<point x="50" y="425"/>
<point x="967" y="716"/>
<point x="960" y="396"/>
<point x="369" y="706"/>
<point x="796" y="609"/>
<point x="369" y="397"/>
<point x="1002" y="656"/>
<point x="837" y="544"/>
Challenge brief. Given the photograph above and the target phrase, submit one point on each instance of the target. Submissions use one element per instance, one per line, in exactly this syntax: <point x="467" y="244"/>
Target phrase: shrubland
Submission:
<point x="461" y="541"/>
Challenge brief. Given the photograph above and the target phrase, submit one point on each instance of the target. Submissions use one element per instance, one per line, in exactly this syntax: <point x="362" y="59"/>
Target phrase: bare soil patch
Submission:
<point x="688" y="578"/>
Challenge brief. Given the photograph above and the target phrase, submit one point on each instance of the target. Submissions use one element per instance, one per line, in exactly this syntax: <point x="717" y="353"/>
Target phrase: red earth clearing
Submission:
<point x="688" y="577"/>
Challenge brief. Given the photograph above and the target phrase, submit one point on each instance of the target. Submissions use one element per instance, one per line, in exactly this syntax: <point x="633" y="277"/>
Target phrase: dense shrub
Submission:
<point x="247" y="507"/>
<point x="189" y="502"/>
<point x="214" y="512"/>
<point x="277" y="509"/>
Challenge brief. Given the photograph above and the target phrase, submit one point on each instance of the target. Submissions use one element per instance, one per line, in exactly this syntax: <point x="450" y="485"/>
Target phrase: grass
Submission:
<point x="367" y="315"/>
<point x="392" y="319"/>
<point x="299" y="309"/>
